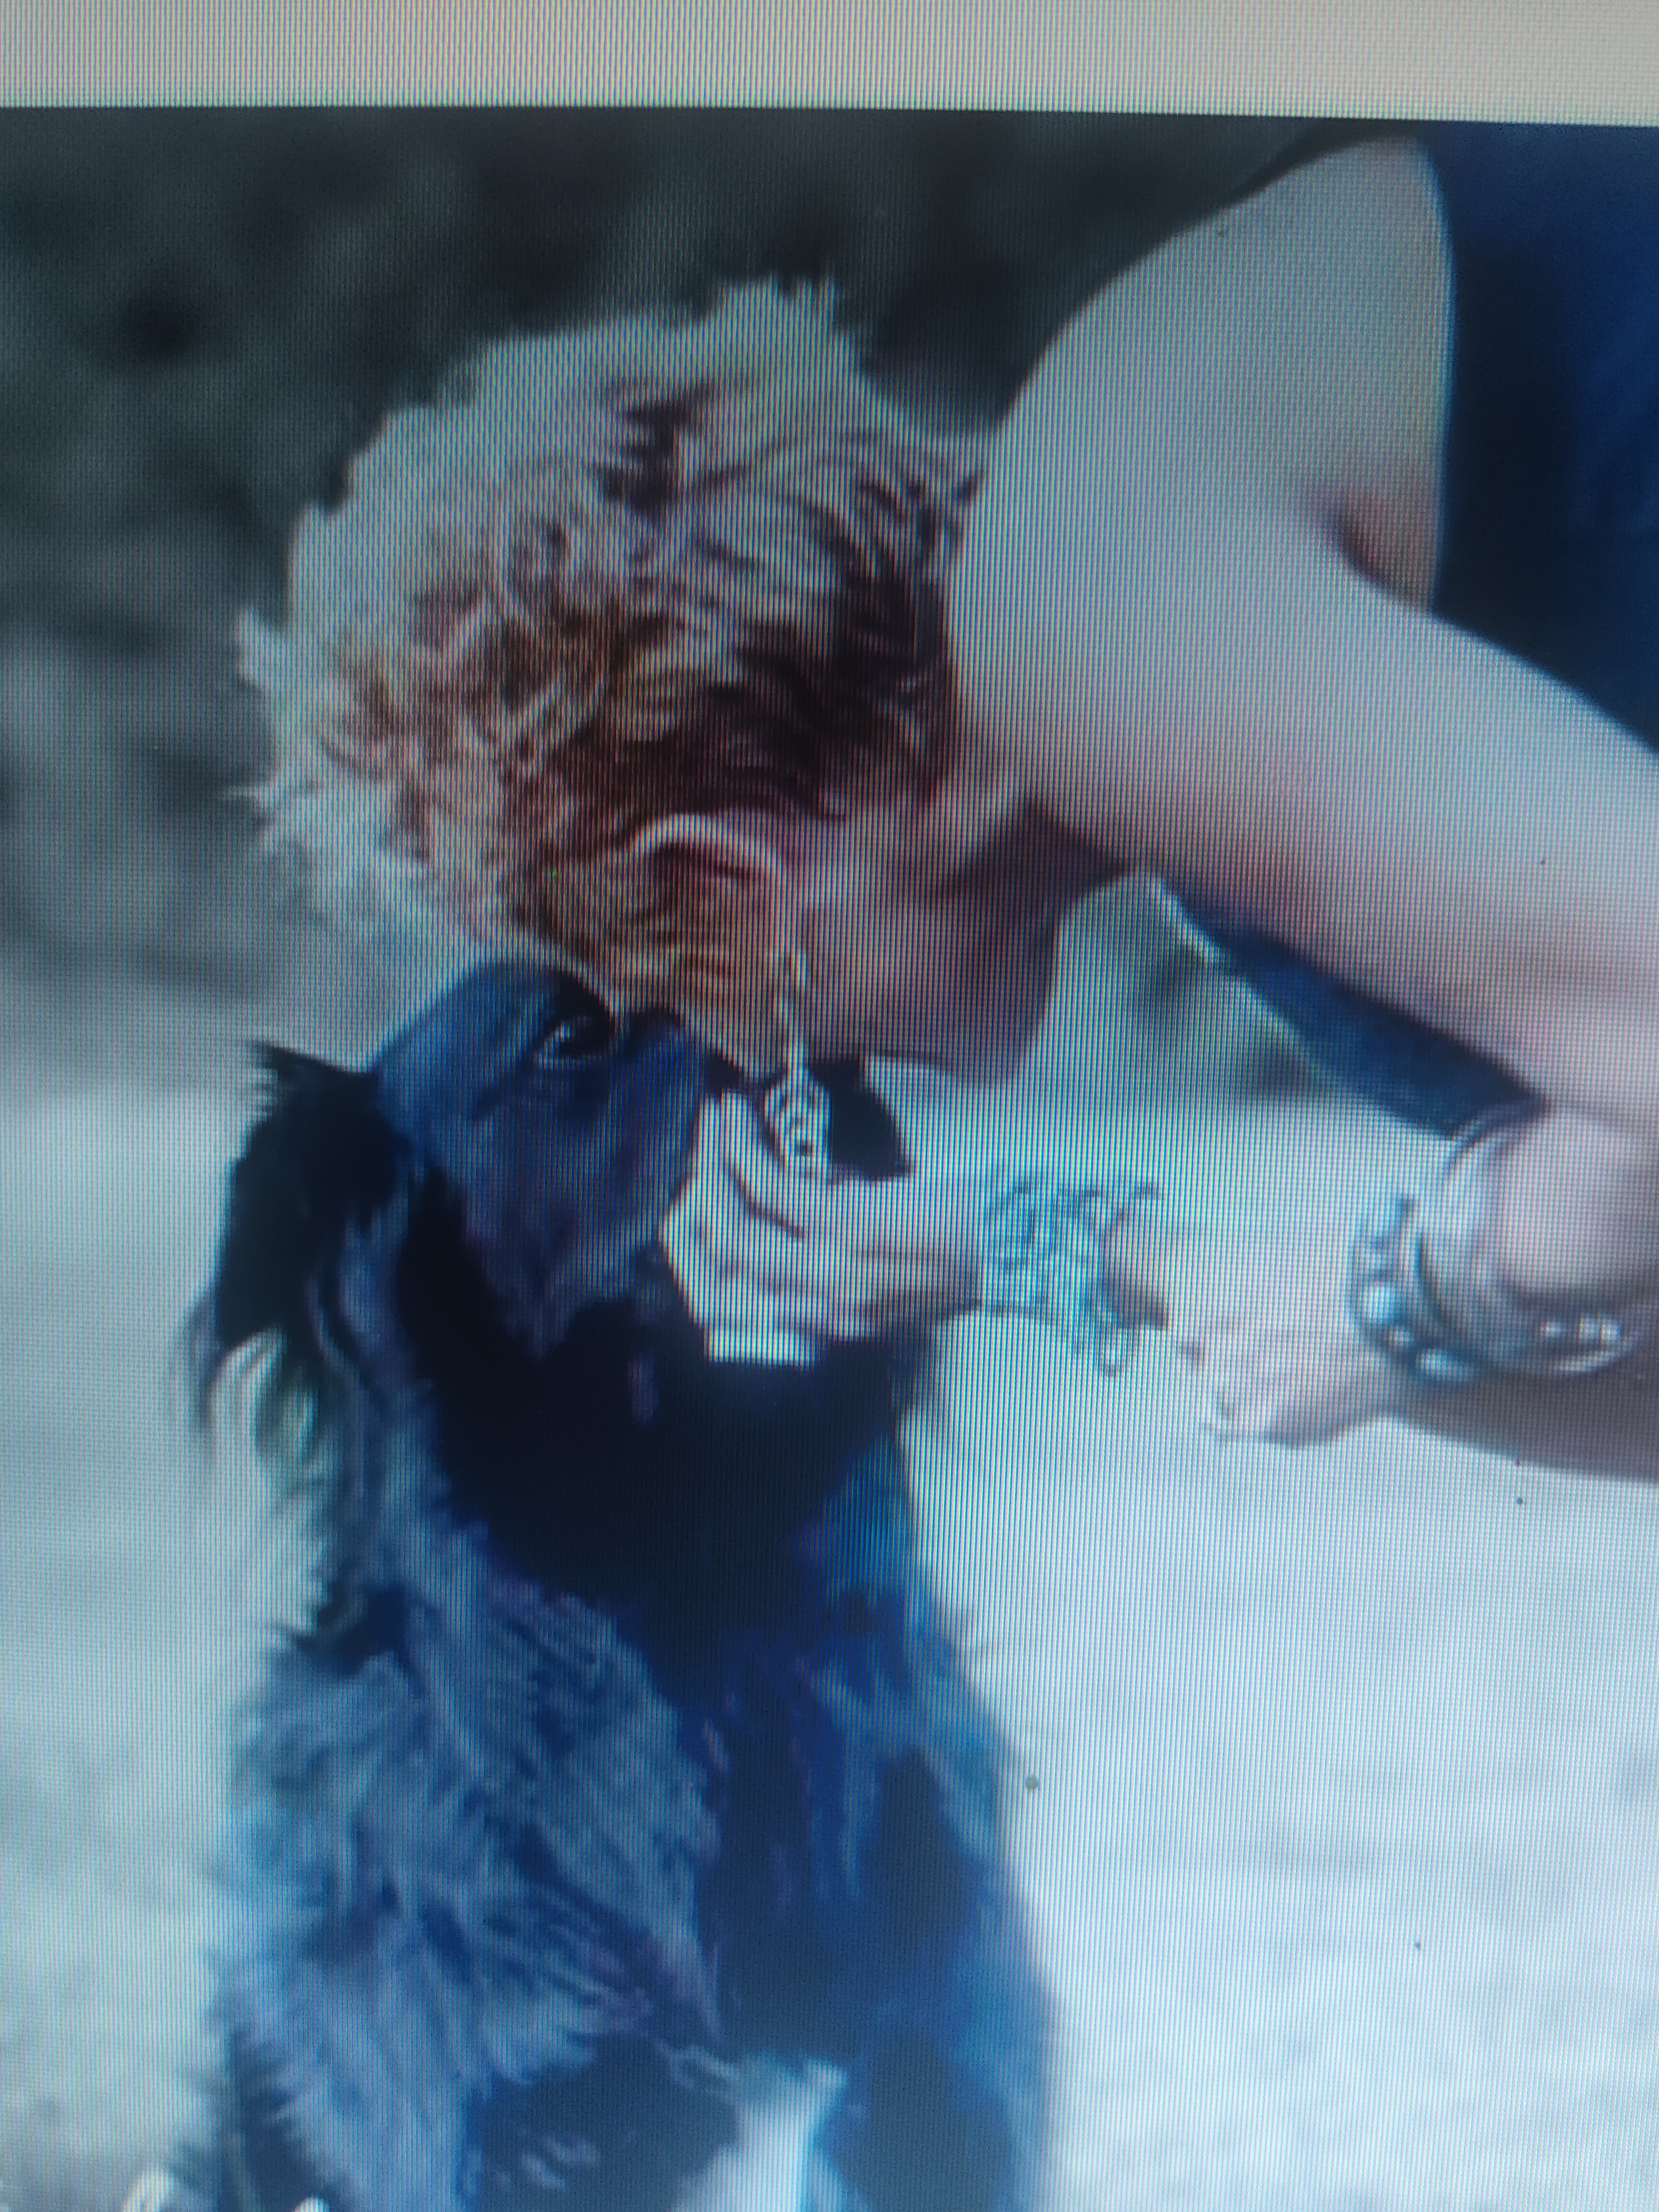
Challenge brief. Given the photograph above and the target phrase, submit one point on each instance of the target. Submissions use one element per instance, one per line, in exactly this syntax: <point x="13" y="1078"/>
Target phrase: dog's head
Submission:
<point x="472" y="1225"/>
<point x="556" y="1139"/>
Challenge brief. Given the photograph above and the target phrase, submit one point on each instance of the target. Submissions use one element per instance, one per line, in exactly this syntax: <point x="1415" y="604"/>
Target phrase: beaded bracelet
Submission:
<point x="1044" y="1248"/>
<point x="1424" y="1289"/>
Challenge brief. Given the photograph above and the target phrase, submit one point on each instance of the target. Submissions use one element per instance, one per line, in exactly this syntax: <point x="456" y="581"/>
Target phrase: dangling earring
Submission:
<point x="796" y="1108"/>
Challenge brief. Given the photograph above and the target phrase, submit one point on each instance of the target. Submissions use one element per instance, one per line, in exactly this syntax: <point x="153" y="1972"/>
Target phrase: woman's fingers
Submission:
<point x="749" y="1237"/>
<point x="1298" y="1382"/>
<point x="742" y="1269"/>
<point x="812" y="1247"/>
<point x="703" y="1224"/>
<point x="773" y="1192"/>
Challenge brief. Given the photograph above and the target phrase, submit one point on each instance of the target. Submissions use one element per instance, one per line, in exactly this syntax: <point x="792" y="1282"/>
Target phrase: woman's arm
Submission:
<point x="1275" y="1357"/>
<point x="1263" y="1324"/>
<point x="1420" y="814"/>
<point x="1186" y="640"/>
<point x="1410" y="807"/>
<point x="1190" y="599"/>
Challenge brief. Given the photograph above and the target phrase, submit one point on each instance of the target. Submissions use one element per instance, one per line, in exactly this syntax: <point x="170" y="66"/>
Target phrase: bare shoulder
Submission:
<point x="1295" y="347"/>
<point x="1200" y="458"/>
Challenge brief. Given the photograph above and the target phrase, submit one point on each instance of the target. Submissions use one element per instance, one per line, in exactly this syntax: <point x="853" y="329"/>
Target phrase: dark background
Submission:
<point x="203" y="315"/>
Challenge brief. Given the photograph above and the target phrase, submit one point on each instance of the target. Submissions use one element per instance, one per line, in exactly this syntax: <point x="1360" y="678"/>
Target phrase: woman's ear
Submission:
<point x="728" y="919"/>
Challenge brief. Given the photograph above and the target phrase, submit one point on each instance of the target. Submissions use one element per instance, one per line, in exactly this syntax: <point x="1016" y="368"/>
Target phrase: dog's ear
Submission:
<point x="320" y="1159"/>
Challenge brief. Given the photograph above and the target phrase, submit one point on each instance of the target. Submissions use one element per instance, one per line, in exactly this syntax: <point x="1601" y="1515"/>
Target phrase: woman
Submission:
<point x="680" y="649"/>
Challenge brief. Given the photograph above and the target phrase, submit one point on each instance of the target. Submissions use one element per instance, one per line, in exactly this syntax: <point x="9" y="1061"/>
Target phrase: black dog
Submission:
<point x="626" y="1777"/>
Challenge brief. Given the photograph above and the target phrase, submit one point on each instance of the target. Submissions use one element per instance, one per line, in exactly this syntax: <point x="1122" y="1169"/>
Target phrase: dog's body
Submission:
<point x="626" y="1778"/>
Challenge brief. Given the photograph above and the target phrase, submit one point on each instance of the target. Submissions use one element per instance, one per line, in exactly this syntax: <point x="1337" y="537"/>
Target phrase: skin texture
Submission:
<point x="1190" y="630"/>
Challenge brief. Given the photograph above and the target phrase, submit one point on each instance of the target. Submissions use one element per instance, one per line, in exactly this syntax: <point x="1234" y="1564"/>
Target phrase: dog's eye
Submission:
<point x="581" y="1036"/>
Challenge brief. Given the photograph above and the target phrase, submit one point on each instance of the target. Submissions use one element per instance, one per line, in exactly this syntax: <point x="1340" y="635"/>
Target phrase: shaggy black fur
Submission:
<point x="626" y="1773"/>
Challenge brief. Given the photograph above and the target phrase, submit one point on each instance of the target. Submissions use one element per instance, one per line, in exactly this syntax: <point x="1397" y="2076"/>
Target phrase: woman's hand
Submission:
<point x="762" y="1254"/>
<point x="1301" y="1374"/>
<point x="1293" y="1381"/>
<point x="1277" y="1368"/>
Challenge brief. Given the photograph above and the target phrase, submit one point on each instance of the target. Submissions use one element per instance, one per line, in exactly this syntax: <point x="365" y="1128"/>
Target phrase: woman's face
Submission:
<point x="929" y="933"/>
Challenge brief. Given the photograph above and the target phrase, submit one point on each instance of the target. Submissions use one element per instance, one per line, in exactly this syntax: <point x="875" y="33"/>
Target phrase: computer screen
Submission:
<point x="831" y="1196"/>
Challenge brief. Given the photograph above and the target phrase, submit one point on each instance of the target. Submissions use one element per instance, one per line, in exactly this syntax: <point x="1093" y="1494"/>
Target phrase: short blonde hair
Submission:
<point x="671" y="565"/>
